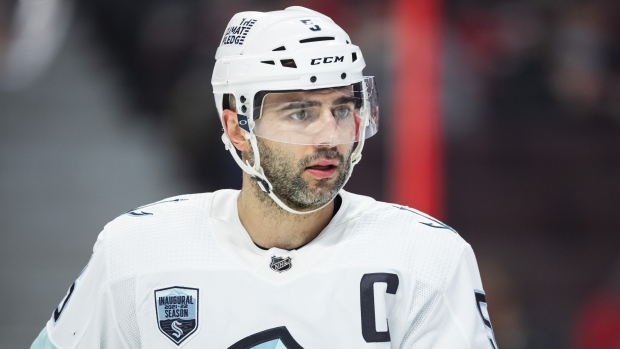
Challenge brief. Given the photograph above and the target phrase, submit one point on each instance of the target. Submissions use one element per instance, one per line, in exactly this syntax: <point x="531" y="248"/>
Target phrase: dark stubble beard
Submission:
<point x="285" y="175"/>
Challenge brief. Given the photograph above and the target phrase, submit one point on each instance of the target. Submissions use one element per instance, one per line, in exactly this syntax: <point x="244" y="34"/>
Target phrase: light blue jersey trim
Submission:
<point x="42" y="341"/>
<point x="273" y="344"/>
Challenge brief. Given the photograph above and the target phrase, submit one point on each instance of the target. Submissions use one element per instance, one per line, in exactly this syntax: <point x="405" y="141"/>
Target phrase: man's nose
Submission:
<point x="327" y="129"/>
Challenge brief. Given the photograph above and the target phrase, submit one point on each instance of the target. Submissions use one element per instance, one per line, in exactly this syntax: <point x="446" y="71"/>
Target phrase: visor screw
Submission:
<point x="244" y="108"/>
<point x="313" y="79"/>
<point x="343" y="76"/>
<point x="242" y="99"/>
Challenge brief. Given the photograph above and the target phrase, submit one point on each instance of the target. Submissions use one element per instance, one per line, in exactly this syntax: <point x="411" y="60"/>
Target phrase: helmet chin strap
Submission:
<point x="256" y="172"/>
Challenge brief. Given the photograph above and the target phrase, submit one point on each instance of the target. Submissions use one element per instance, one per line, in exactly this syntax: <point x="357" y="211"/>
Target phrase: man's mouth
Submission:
<point x="323" y="168"/>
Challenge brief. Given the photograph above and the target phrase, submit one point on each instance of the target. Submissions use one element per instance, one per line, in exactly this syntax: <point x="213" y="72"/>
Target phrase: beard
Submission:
<point x="285" y="174"/>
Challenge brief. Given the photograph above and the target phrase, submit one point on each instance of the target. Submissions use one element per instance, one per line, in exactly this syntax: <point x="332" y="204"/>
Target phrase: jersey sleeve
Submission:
<point x="84" y="318"/>
<point x="460" y="318"/>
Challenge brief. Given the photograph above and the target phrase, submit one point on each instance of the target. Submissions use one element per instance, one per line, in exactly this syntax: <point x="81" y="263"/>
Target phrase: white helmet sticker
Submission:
<point x="235" y="34"/>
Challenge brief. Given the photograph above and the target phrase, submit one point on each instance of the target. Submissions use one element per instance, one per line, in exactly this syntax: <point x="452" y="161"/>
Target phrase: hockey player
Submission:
<point x="292" y="260"/>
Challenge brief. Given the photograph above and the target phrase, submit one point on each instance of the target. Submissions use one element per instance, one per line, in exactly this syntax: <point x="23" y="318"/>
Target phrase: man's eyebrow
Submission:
<point x="345" y="100"/>
<point x="299" y="105"/>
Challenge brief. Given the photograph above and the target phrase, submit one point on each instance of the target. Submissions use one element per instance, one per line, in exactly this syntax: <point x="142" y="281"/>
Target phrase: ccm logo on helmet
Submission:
<point x="326" y="60"/>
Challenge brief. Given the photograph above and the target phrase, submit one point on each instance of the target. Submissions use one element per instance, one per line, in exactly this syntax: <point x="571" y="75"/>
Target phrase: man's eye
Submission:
<point x="342" y="112"/>
<point x="300" y="115"/>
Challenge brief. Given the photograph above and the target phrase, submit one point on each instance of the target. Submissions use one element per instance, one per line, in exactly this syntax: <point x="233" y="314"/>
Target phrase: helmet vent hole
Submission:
<point x="354" y="56"/>
<point x="281" y="48"/>
<point x="289" y="63"/>
<point x="269" y="62"/>
<point x="320" y="38"/>
<point x="347" y="41"/>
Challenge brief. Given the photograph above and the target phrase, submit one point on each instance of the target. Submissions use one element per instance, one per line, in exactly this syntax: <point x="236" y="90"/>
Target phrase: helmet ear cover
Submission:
<point x="226" y="102"/>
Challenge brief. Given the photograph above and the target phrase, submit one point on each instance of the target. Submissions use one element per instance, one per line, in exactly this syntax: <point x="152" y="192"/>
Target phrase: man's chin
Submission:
<point x="323" y="187"/>
<point x="315" y="199"/>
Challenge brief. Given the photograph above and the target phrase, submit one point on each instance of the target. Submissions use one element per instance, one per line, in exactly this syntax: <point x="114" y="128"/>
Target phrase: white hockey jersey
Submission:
<point x="183" y="272"/>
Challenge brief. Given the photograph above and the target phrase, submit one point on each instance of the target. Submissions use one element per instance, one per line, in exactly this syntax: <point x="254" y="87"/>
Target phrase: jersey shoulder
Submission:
<point x="408" y="240"/>
<point x="162" y="207"/>
<point x="405" y="222"/>
<point x="172" y="233"/>
<point x="177" y="209"/>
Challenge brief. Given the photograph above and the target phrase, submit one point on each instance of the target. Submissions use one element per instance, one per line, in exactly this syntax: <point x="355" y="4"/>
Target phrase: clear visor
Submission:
<point x="330" y="116"/>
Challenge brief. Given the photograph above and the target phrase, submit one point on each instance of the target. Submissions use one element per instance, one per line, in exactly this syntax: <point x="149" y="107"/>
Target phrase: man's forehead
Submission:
<point x="325" y="94"/>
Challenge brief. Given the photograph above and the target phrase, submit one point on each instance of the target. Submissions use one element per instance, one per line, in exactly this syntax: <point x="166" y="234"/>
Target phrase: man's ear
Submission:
<point x="233" y="131"/>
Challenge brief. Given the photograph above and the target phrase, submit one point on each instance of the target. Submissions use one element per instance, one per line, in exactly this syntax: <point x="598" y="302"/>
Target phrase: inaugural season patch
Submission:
<point x="280" y="264"/>
<point x="177" y="312"/>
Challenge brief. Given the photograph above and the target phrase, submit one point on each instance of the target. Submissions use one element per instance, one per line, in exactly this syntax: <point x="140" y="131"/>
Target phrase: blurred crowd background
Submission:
<point x="106" y="105"/>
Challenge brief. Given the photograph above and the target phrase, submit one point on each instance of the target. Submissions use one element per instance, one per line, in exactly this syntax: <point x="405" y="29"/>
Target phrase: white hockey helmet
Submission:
<point x="265" y="57"/>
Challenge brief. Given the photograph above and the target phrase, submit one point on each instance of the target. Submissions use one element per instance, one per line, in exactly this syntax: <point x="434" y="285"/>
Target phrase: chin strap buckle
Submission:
<point x="263" y="184"/>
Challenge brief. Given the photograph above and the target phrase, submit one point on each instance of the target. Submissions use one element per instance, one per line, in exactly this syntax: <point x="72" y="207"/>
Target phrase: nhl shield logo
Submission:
<point x="177" y="312"/>
<point x="280" y="264"/>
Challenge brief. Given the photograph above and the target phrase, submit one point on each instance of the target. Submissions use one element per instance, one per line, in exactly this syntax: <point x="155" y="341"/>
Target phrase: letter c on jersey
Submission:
<point x="367" y="302"/>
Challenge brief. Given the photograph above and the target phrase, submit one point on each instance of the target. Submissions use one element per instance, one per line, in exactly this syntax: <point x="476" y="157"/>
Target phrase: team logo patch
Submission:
<point x="280" y="264"/>
<point x="177" y="312"/>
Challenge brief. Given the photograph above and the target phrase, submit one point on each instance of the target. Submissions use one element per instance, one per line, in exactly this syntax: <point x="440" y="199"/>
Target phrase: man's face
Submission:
<point x="305" y="177"/>
<point x="300" y="145"/>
